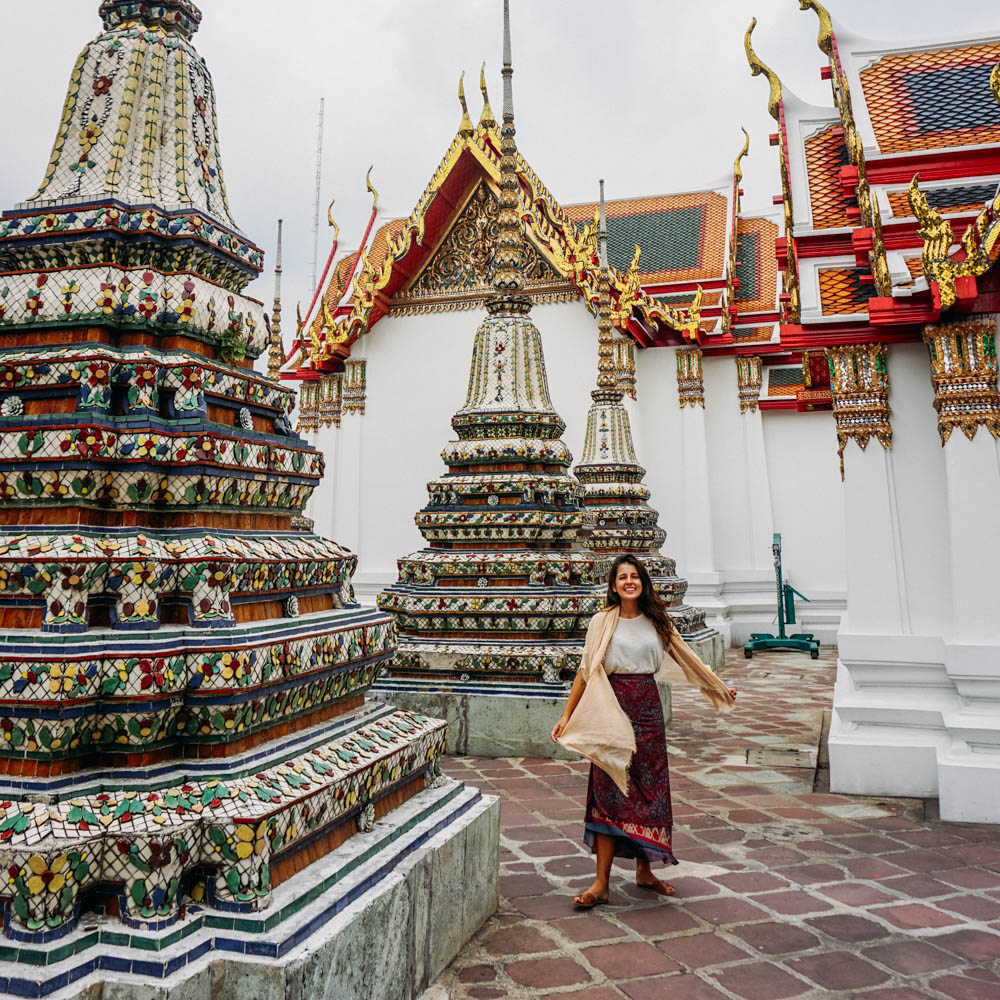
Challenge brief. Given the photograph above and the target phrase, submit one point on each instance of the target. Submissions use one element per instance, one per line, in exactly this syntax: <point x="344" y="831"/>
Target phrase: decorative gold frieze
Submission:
<point x="750" y="374"/>
<point x="355" y="386"/>
<point x="308" y="408"/>
<point x="690" y="377"/>
<point x="331" y="400"/>
<point x="859" y="382"/>
<point x="964" y="376"/>
<point x="625" y="366"/>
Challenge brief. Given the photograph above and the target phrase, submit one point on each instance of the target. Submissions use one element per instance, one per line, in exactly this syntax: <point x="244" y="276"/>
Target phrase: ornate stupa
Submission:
<point x="508" y="583"/>
<point x="612" y="478"/>
<point x="182" y="673"/>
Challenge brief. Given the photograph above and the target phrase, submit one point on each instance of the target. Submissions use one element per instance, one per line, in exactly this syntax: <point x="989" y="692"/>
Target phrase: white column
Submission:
<point x="893" y="692"/>
<point x="693" y="481"/>
<point x="969" y="763"/>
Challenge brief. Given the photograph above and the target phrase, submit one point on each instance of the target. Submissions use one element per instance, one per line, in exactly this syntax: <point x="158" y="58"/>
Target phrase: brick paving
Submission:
<point x="783" y="890"/>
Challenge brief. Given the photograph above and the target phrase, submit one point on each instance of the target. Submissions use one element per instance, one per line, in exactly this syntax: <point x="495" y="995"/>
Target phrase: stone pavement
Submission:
<point x="783" y="891"/>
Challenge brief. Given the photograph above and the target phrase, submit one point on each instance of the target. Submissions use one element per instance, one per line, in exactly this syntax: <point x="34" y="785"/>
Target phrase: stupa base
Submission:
<point x="491" y="718"/>
<point x="355" y="924"/>
<point x="709" y="644"/>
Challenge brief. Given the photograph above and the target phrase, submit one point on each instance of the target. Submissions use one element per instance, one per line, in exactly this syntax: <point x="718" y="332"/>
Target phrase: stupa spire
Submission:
<point x="612" y="478"/>
<point x="605" y="338"/>
<point x="508" y="258"/>
<point x="507" y="581"/>
<point x="276" y="349"/>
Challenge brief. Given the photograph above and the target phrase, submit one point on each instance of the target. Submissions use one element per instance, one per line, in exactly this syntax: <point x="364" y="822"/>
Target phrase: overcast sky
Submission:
<point x="647" y="93"/>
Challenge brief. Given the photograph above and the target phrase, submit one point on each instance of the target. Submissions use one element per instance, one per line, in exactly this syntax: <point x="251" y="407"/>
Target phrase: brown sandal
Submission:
<point x="658" y="886"/>
<point x="588" y="900"/>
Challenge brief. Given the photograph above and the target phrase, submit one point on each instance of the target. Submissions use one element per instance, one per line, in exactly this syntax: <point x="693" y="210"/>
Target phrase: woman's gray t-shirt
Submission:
<point x="635" y="647"/>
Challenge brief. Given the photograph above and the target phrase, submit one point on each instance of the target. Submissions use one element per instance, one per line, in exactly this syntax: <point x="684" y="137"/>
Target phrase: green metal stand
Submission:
<point x="803" y="641"/>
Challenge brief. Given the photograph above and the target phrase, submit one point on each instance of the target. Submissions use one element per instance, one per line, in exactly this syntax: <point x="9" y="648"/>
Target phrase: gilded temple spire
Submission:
<point x="276" y="349"/>
<point x="487" y="119"/>
<point x="605" y="340"/>
<point x="508" y="258"/>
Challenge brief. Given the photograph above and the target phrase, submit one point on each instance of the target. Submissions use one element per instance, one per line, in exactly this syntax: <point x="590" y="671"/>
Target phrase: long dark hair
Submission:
<point x="650" y="602"/>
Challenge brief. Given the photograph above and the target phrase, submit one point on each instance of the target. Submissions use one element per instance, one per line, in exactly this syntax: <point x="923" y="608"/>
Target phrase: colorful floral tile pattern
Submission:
<point x="116" y="695"/>
<point x="124" y="473"/>
<point x="141" y="299"/>
<point x="136" y="572"/>
<point x="139" y="86"/>
<point x="93" y="370"/>
<point x="234" y="830"/>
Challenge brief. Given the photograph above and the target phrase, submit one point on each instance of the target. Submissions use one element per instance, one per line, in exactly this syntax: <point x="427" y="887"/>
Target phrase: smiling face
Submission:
<point x="628" y="583"/>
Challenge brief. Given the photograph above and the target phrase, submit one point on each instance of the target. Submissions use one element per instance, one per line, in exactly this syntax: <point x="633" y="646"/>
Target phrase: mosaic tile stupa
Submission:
<point x="183" y="724"/>
<point x="612" y="478"/>
<point x="508" y="582"/>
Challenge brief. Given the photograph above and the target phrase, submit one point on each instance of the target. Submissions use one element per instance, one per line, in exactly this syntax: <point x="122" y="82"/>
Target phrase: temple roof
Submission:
<point x="403" y="248"/>
<point x="682" y="236"/>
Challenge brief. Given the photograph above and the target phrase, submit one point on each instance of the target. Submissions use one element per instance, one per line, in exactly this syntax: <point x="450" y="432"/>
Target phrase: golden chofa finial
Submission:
<point x="333" y="225"/>
<point x="371" y="189"/>
<point x="825" y="39"/>
<point x="465" y="128"/>
<point x="757" y="67"/>
<point x="487" y="119"/>
<point x="738" y="165"/>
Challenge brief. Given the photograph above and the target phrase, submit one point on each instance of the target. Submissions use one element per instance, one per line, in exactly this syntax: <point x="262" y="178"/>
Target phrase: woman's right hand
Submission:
<point x="557" y="729"/>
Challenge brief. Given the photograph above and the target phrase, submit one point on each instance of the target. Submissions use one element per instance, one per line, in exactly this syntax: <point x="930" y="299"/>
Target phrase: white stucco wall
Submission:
<point x="807" y="499"/>
<point x="418" y="370"/>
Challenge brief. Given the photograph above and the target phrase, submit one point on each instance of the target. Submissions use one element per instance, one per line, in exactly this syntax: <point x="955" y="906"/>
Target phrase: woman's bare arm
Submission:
<point x="575" y="694"/>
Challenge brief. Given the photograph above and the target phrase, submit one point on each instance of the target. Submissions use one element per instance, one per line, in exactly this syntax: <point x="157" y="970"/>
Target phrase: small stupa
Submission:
<point x="508" y="582"/>
<point x="612" y="479"/>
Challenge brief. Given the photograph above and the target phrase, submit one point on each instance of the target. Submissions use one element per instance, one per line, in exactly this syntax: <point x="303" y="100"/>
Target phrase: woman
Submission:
<point x="627" y="642"/>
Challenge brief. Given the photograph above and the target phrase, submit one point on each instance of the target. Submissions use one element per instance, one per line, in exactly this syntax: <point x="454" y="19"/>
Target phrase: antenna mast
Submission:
<point x="319" y="185"/>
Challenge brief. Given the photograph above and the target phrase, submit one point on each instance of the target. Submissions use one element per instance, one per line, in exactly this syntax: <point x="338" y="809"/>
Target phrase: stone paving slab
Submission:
<point x="783" y="890"/>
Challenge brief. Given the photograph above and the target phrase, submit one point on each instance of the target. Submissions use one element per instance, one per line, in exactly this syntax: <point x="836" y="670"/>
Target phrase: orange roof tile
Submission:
<point x="682" y="236"/>
<point x="959" y="197"/>
<point x="841" y="292"/>
<point x="932" y="100"/>
<point x="758" y="266"/>
<point x="825" y="155"/>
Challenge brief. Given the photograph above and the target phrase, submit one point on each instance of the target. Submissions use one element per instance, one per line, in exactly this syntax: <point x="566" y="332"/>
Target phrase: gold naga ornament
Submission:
<point x="963" y="359"/>
<point x="859" y="384"/>
<point x="871" y="215"/>
<point x="727" y="316"/>
<point x="791" y="309"/>
<point x="981" y="240"/>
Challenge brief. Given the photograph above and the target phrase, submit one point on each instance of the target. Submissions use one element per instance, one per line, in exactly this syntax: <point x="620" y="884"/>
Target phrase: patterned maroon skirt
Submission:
<point x="642" y="821"/>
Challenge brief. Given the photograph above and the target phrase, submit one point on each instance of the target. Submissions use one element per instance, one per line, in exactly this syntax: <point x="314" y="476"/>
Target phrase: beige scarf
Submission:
<point x="599" y="729"/>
